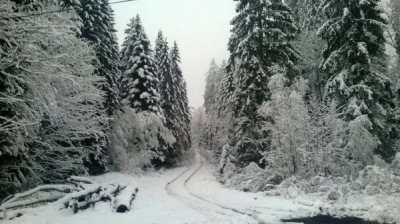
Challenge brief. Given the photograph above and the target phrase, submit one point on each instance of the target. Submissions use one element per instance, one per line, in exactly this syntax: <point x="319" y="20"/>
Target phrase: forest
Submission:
<point x="73" y="103"/>
<point x="310" y="89"/>
<point x="306" y="107"/>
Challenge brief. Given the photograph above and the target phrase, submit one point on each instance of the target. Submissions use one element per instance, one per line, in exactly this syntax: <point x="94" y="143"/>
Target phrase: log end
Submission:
<point x="122" y="209"/>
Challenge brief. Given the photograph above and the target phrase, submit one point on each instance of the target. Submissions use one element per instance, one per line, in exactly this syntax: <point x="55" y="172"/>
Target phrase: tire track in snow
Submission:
<point x="219" y="214"/>
<point x="185" y="200"/>
<point x="251" y="215"/>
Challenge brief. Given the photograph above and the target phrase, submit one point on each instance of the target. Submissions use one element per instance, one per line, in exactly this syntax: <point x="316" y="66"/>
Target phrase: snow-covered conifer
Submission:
<point x="355" y="63"/>
<point x="218" y="123"/>
<point x="139" y="140"/>
<point x="139" y="73"/>
<point x="157" y="50"/>
<point x="260" y="39"/>
<point x="98" y="27"/>
<point x="306" y="13"/>
<point x="164" y="73"/>
<point x="395" y="22"/>
<point x="210" y="94"/>
<point x="175" y="103"/>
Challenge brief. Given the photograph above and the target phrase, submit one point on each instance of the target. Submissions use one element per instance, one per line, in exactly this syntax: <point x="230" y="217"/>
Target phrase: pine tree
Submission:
<point x="306" y="13"/>
<point x="139" y="77"/>
<point x="157" y="50"/>
<point x="127" y="45"/>
<point x="395" y="22"/>
<point x="210" y="94"/>
<point x="98" y="27"/>
<point x="227" y="88"/>
<point x="217" y="127"/>
<point x="355" y="63"/>
<point x="260" y="39"/>
<point x="164" y="71"/>
<point x="175" y="103"/>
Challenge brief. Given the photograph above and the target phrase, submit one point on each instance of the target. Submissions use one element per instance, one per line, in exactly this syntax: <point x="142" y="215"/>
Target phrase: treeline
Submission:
<point x="65" y="89"/>
<point x="308" y="89"/>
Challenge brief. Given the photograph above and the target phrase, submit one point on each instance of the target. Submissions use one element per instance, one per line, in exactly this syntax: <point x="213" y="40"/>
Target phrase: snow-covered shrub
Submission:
<point x="327" y="133"/>
<point x="251" y="178"/>
<point x="373" y="180"/>
<point x="139" y="140"/>
<point x="215" y="132"/>
<point x="290" y="120"/>
<point x="307" y="137"/>
<point x="396" y="163"/>
<point x="226" y="168"/>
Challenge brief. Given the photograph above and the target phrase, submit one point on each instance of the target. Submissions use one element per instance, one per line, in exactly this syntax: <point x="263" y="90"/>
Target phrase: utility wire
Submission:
<point x="56" y="11"/>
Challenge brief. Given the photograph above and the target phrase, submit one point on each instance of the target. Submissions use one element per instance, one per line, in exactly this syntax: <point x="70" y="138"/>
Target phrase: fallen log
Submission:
<point x="19" y="200"/>
<point x="30" y="202"/>
<point x="81" y="180"/>
<point x="78" y="193"/>
<point x="87" y="198"/>
<point x="123" y="201"/>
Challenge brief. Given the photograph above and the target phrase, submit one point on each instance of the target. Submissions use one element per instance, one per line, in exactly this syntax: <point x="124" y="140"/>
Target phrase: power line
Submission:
<point x="56" y="11"/>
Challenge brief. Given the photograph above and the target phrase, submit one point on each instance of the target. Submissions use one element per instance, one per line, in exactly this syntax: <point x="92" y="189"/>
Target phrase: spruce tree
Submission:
<point x="354" y="61"/>
<point x="260" y="39"/>
<point x="395" y="22"/>
<point x="217" y="128"/>
<point x="227" y="88"/>
<point x="158" y="48"/>
<point x="180" y="104"/>
<point x="211" y="88"/>
<point x="139" y="77"/>
<point x="127" y="45"/>
<point x="163" y="63"/>
<point x="309" y="18"/>
<point x="306" y="13"/>
<point x="98" y="27"/>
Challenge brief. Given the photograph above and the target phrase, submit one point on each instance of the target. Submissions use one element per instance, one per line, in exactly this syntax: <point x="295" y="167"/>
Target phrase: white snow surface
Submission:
<point x="192" y="195"/>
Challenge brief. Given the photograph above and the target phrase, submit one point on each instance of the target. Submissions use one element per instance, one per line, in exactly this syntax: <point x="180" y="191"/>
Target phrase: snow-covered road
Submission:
<point x="179" y="188"/>
<point x="186" y="195"/>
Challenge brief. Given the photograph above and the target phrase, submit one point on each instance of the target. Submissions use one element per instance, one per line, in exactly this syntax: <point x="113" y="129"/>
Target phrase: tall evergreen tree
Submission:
<point x="395" y="22"/>
<point x="158" y="48"/>
<point x="227" y="87"/>
<point x="309" y="18"/>
<point x="98" y="27"/>
<point x="217" y="128"/>
<point x="139" y="77"/>
<point x="355" y="63"/>
<point x="211" y="88"/>
<point x="180" y="103"/>
<point x="260" y="39"/>
<point x="306" y="13"/>
<point x="126" y="50"/>
<point x="163" y="63"/>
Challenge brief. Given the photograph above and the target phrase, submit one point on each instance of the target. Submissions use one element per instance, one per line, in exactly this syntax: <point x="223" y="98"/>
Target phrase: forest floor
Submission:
<point x="187" y="195"/>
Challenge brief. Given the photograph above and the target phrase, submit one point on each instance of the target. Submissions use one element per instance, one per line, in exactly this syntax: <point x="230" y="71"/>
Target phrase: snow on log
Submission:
<point x="123" y="201"/>
<point x="78" y="193"/>
<point x="30" y="202"/>
<point x="20" y="199"/>
<point x="86" y="198"/>
<point x="81" y="180"/>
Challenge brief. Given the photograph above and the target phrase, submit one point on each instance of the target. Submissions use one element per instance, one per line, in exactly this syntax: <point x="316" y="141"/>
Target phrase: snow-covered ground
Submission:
<point x="188" y="195"/>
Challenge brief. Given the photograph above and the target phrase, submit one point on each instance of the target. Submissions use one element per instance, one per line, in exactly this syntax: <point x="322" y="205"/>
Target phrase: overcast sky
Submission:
<point x="201" y="28"/>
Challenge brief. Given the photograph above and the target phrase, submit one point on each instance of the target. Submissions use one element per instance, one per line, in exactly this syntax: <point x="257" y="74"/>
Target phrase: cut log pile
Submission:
<point x="78" y="193"/>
